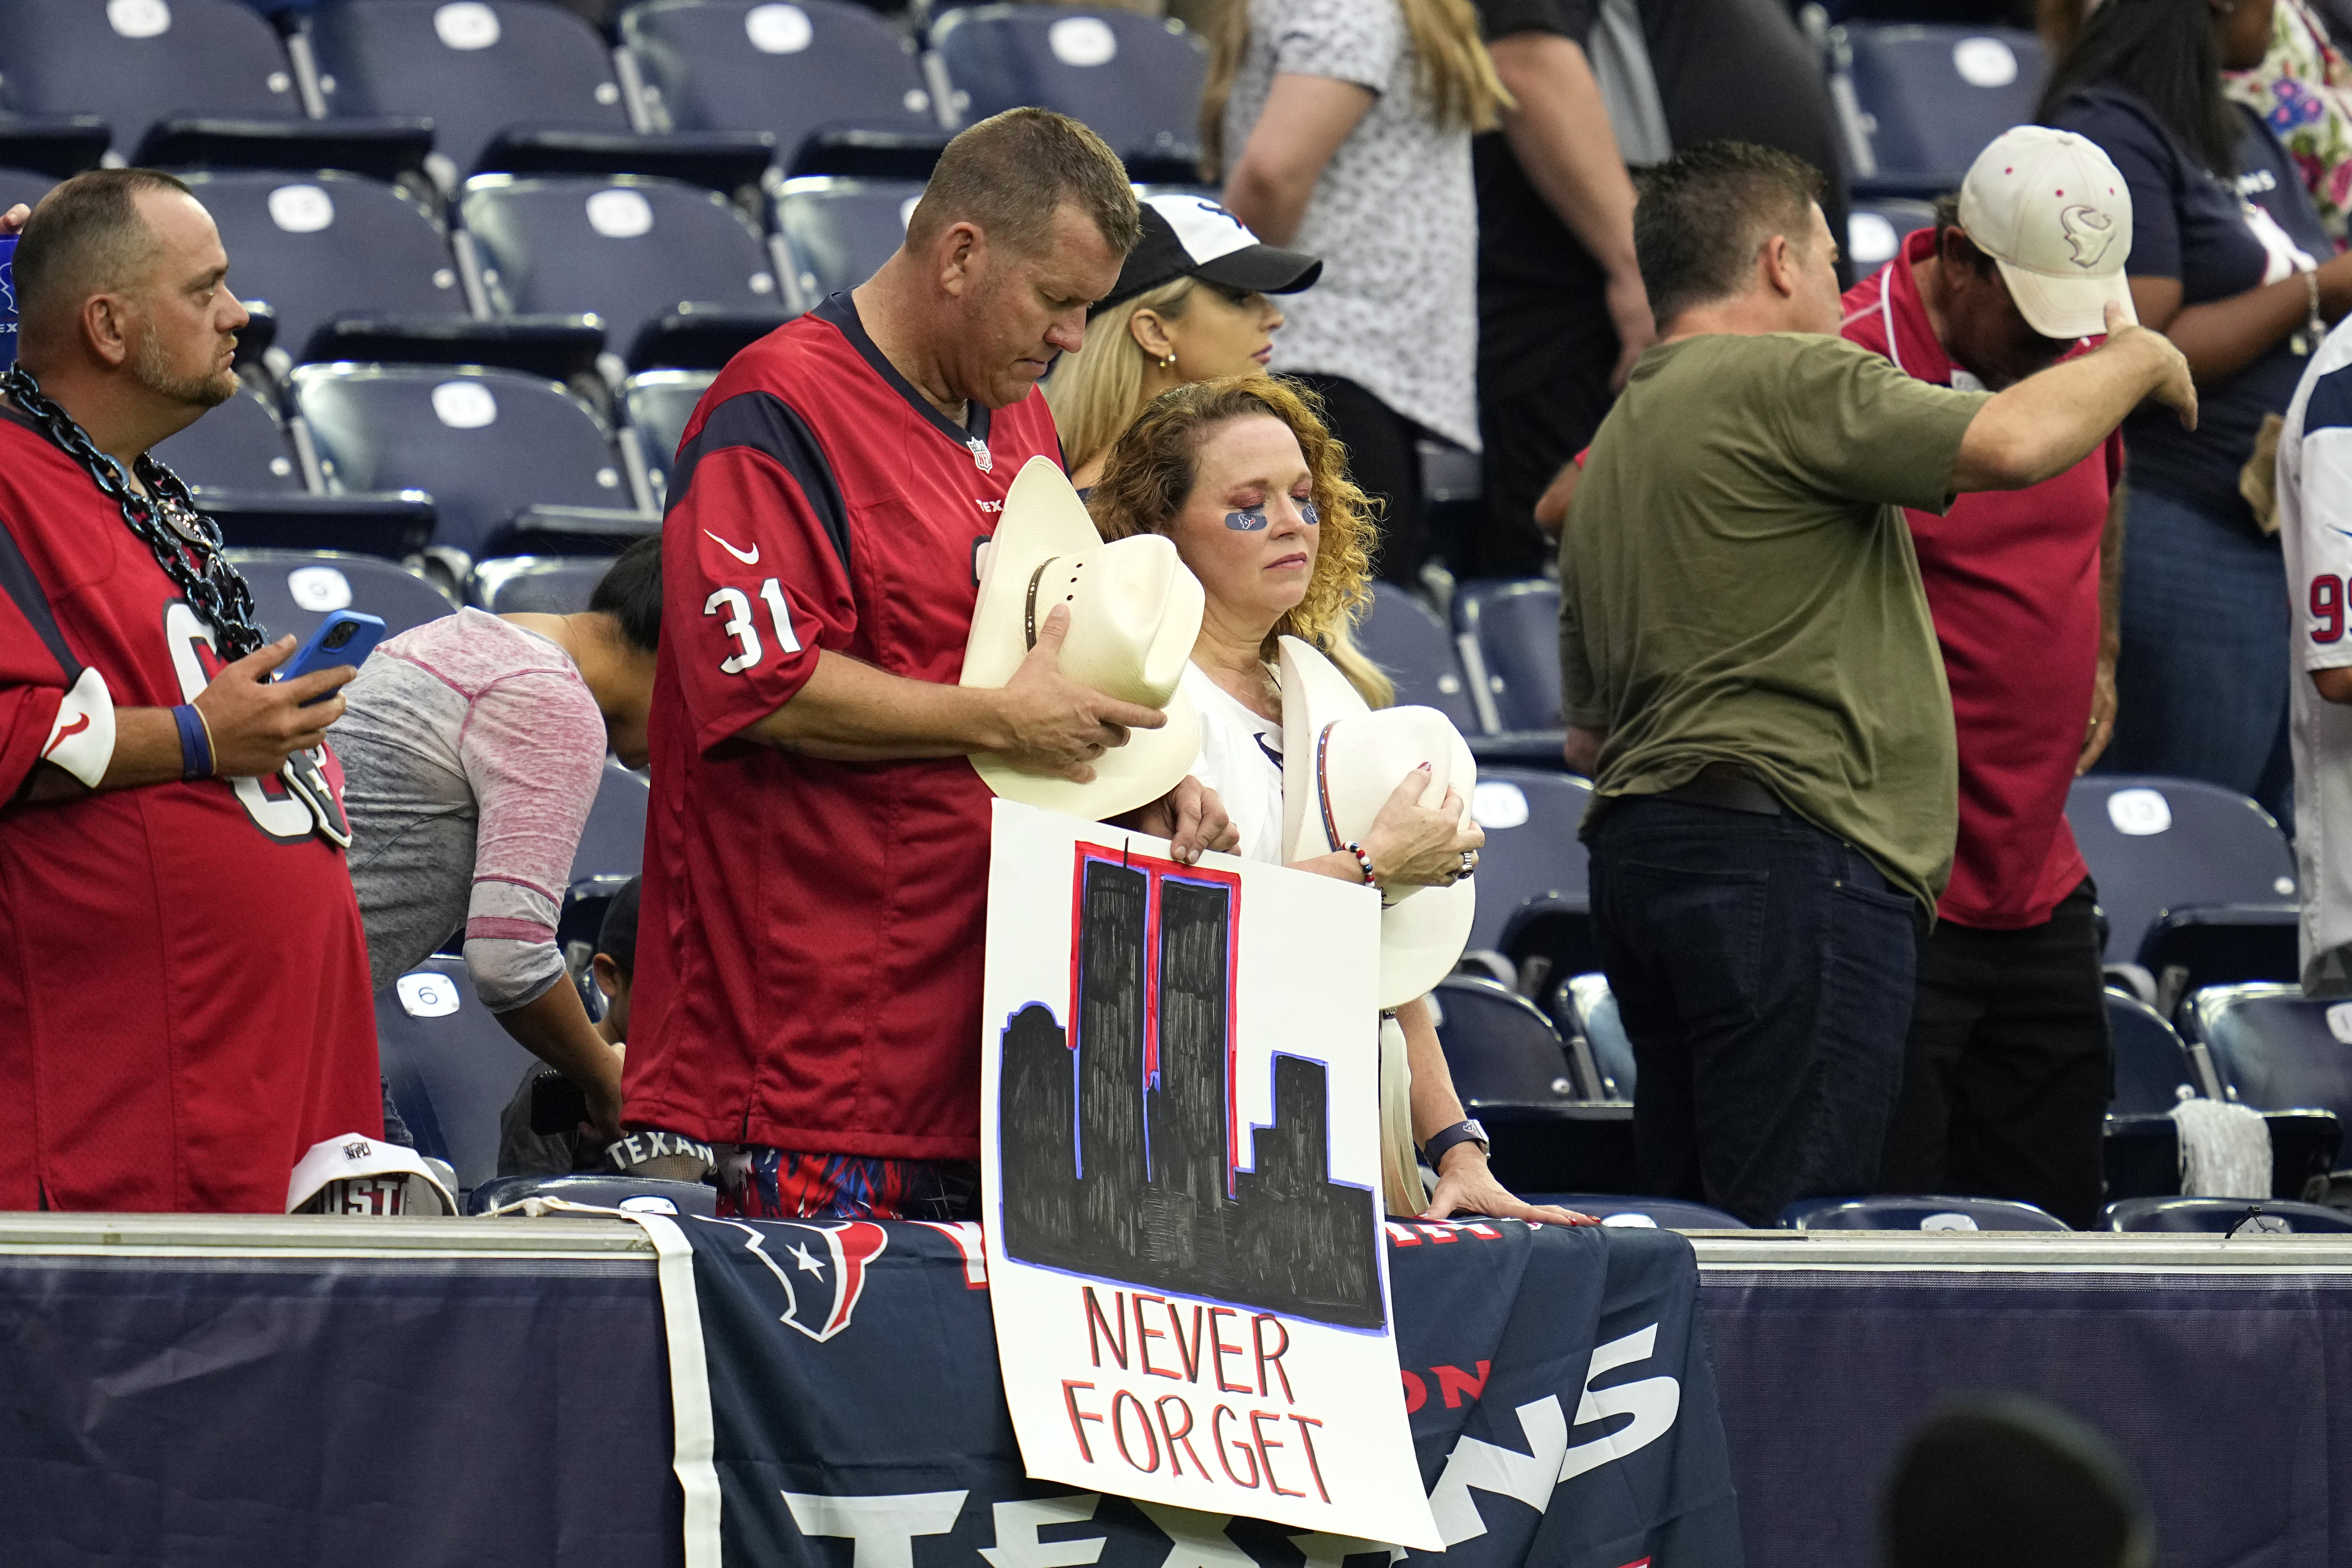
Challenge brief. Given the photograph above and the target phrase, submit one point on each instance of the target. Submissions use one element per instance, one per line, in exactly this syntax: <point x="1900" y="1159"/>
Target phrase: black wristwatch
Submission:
<point x="1460" y="1132"/>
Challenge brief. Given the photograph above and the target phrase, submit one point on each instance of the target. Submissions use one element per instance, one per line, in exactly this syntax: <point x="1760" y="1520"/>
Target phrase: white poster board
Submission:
<point x="1179" y="1108"/>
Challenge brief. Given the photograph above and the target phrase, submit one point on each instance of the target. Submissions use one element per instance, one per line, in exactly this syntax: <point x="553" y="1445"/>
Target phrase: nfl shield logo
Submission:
<point x="979" y="454"/>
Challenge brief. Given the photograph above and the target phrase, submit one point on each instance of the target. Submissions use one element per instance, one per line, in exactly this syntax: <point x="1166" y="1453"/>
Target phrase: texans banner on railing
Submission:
<point x="837" y="1404"/>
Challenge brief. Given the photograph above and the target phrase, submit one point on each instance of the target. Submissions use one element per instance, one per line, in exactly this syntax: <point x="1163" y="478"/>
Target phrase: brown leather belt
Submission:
<point x="1726" y="786"/>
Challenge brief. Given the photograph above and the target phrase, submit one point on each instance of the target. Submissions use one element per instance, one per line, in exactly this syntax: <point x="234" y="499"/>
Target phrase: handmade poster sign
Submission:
<point x="1181" y="1170"/>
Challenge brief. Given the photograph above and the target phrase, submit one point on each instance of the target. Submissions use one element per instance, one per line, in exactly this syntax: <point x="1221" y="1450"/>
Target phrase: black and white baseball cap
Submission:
<point x="1193" y="237"/>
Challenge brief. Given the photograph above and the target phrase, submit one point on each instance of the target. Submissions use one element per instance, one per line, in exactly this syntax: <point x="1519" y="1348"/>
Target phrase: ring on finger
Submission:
<point x="1469" y="861"/>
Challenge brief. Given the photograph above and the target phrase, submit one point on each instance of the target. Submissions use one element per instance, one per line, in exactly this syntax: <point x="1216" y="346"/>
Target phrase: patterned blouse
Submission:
<point x="2303" y="89"/>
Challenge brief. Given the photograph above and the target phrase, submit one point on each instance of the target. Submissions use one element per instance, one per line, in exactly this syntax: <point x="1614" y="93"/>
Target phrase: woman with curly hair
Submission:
<point x="1241" y="474"/>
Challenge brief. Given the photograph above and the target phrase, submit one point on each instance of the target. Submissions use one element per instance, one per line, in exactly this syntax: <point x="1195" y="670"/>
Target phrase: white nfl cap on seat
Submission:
<point x="1135" y="613"/>
<point x="2052" y="211"/>
<point x="1340" y="762"/>
<point x="358" y="1174"/>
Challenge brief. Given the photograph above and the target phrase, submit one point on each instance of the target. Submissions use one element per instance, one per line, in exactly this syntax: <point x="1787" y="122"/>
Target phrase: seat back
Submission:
<point x="626" y="246"/>
<point x="450" y="1065"/>
<point x="238" y="445"/>
<point x="2157" y="844"/>
<point x="485" y="444"/>
<point x="133" y="63"/>
<point x="24" y="185"/>
<point x="613" y="844"/>
<point x="2189" y="949"/>
<point x="1876" y="228"/>
<point x="1916" y="1214"/>
<point x="1643" y="1214"/>
<point x="2276" y="1216"/>
<point x="1515" y="627"/>
<point x="1135" y="79"/>
<point x="294" y="590"/>
<point x="641" y="1194"/>
<point x="473" y="67"/>
<point x="2151" y="1063"/>
<point x="322" y="243"/>
<point x="1406" y="638"/>
<point x="660" y="404"/>
<point x="841" y="231"/>
<point x="1499" y="1046"/>
<point x="2279" y="1049"/>
<point x="1937" y="94"/>
<point x="1586" y="1002"/>
<point x="791" y="68"/>
<point x="540" y="584"/>
<point x="1531" y="849"/>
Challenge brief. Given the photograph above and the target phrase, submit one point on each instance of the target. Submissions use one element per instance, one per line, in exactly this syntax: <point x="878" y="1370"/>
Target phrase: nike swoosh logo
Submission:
<point x="748" y="557"/>
<point x="81" y="723"/>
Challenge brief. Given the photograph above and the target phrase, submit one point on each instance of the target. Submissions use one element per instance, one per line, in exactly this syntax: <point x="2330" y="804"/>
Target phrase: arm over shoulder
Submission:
<point x="1855" y="426"/>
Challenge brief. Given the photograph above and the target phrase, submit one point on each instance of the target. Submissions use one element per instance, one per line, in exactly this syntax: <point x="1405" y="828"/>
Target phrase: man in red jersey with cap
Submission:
<point x="2006" y="1079"/>
<point x="807" y="1002"/>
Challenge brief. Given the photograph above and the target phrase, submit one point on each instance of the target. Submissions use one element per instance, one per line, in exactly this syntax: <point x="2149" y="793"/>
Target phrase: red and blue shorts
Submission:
<point x="756" y="1182"/>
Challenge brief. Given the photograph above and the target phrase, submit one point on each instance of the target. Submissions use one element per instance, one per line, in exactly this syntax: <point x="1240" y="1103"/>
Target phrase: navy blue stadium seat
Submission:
<point x="841" y="231"/>
<point x="294" y="590"/>
<point x="544" y="584"/>
<point x="1876" y="228"/>
<point x="1514" y="626"/>
<point x="2278" y="1048"/>
<point x="487" y="445"/>
<point x="1933" y="96"/>
<point x="1587" y="1010"/>
<point x="1643" y="1214"/>
<point x="1405" y="638"/>
<point x="631" y="249"/>
<point x="795" y="70"/>
<point x="321" y="244"/>
<point x="638" y="1193"/>
<point x="2151" y="1063"/>
<point x="23" y="186"/>
<point x="613" y="844"/>
<point x="2188" y="950"/>
<point x="139" y="63"/>
<point x="2156" y="844"/>
<point x="1532" y="850"/>
<point x="450" y="1066"/>
<point x="1136" y="80"/>
<point x="239" y="446"/>
<point x="1513" y="1074"/>
<point x="1916" y="1214"/>
<point x="2274" y="1217"/>
<point x="475" y="68"/>
<point x="660" y="402"/>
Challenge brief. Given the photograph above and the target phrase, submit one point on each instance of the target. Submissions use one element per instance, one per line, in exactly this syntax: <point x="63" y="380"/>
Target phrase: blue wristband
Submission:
<point x="195" y="743"/>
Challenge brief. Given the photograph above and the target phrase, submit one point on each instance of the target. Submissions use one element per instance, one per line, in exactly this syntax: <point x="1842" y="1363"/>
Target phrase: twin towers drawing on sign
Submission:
<point x="1120" y="1147"/>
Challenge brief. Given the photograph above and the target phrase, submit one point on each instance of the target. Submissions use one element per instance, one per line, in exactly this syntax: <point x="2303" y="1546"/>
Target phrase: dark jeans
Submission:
<point x="2005" y="1091"/>
<point x="1763" y="969"/>
<point x="1385" y="459"/>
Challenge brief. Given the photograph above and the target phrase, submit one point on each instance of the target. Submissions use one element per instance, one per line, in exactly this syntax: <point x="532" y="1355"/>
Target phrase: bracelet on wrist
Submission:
<point x="197" y="760"/>
<point x="1365" y="861"/>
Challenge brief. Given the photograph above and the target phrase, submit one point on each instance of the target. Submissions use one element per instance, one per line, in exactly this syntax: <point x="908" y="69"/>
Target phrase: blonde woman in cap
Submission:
<point x="1241" y="475"/>
<point x="1191" y="305"/>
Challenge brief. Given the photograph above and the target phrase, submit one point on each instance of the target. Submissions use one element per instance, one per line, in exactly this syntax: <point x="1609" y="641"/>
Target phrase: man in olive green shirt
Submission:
<point x="1750" y="674"/>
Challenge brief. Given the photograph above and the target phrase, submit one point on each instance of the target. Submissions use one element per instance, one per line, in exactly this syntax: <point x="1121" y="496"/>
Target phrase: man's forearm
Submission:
<point x="1561" y="136"/>
<point x="146" y="751"/>
<point x="2049" y="422"/>
<point x="852" y="712"/>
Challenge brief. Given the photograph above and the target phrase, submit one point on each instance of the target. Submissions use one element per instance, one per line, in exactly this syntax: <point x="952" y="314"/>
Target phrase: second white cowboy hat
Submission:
<point x="1135" y="613"/>
<point x="1340" y="762"/>
<point x="2052" y="211"/>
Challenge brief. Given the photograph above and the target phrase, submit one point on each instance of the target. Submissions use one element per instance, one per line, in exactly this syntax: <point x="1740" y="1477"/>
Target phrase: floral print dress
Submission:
<point x="2302" y="90"/>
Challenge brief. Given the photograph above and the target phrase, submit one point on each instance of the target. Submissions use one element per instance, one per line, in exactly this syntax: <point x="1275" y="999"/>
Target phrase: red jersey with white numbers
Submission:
<point x="809" y="952"/>
<point x="183" y="984"/>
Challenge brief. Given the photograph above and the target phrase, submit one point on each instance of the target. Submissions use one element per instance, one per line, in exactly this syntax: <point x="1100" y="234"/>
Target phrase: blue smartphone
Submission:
<point x="8" y="302"/>
<point x="346" y="636"/>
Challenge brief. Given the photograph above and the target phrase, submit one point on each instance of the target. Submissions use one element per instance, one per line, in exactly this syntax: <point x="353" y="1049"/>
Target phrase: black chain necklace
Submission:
<point x="188" y="544"/>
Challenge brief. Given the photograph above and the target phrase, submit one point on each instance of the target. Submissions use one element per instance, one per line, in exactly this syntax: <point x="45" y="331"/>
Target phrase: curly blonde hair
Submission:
<point x="1148" y="476"/>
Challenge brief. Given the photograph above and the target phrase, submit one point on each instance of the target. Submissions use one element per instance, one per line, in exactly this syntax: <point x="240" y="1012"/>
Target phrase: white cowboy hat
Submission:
<point x="1340" y="762"/>
<point x="1135" y="613"/>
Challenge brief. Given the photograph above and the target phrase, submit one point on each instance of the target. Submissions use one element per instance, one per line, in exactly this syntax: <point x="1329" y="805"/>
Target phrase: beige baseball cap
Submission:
<point x="2054" y="213"/>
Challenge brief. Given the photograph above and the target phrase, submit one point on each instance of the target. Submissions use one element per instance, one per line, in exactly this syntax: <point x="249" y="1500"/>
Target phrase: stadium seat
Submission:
<point x="1589" y="1012"/>
<point x="139" y="64"/>
<point x="2151" y="1063"/>
<point x="2273" y="1217"/>
<point x="1916" y="1214"/>
<point x="293" y="590"/>
<point x="2189" y="949"/>
<point x="1532" y="850"/>
<point x="47" y="147"/>
<point x="1933" y="96"/>
<point x="23" y="186"/>
<point x="450" y="1065"/>
<point x="2278" y="1048"/>
<point x="613" y="842"/>
<point x="1136" y="80"/>
<point x="639" y="1193"/>
<point x="636" y="251"/>
<point x="660" y="402"/>
<point x="487" y="445"/>
<point x="1643" y="1214"/>
<point x="323" y="244"/>
<point x="546" y="584"/>
<point x="840" y="231"/>
<point x="1513" y="1074"/>
<point x="810" y="67"/>
<point x="1509" y="633"/>
<point x="1406" y="638"/>
<point x="475" y="67"/>
<point x="239" y="446"/>
<point x="1877" y="228"/>
<point x="2157" y="844"/>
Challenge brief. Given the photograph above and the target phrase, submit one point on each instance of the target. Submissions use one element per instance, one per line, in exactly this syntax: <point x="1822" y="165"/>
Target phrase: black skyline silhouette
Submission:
<point x="1111" y="1172"/>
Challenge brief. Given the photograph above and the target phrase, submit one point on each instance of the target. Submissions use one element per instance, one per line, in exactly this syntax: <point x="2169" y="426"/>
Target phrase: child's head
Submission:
<point x="616" y="960"/>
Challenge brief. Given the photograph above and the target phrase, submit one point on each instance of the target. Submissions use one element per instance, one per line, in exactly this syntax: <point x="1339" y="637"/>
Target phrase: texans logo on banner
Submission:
<point x="848" y="1411"/>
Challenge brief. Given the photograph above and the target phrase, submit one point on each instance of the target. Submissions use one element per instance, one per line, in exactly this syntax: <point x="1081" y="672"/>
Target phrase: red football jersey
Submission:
<point x="809" y="958"/>
<point x="183" y="983"/>
<point x="2012" y="580"/>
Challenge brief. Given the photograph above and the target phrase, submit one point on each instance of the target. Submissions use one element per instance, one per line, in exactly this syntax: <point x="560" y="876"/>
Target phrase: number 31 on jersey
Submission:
<point x="737" y="607"/>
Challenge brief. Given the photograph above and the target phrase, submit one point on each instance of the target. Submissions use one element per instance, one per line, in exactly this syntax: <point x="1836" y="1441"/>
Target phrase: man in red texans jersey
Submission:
<point x="183" y="984"/>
